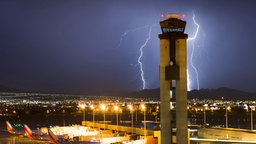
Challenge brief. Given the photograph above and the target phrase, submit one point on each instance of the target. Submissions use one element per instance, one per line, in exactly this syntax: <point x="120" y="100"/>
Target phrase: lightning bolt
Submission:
<point x="141" y="55"/>
<point x="192" y="54"/>
<point x="139" y="59"/>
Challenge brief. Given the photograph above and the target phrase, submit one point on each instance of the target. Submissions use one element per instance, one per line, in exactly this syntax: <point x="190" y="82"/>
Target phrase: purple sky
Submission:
<point x="74" y="46"/>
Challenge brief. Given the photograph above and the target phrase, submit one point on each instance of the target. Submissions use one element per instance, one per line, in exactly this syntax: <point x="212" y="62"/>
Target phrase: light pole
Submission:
<point x="131" y="109"/>
<point x="251" y="120"/>
<point x="92" y="107"/>
<point x="143" y="107"/>
<point x="252" y="109"/>
<point x="103" y="107"/>
<point x="227" y="109"/>
<point x="116" y="109"/>
<point x="83" y="109"/>
<point x="204" y="116"/>
<point x="136" y="118"/>
<point x="205" y="108"/>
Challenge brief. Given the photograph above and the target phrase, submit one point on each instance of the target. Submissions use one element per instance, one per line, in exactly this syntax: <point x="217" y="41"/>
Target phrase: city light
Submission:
<point x="196" y="107"/>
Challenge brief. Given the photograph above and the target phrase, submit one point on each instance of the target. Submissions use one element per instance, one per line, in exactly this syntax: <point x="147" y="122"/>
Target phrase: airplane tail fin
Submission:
<point x="53" y="137"/>
<point x="29" y="132"/>
<point x="9" y="127"/>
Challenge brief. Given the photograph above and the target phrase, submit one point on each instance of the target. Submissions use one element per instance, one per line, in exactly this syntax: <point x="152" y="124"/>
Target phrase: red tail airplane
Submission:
<point x="11" y="130"/>
<point x="29" y="134"/>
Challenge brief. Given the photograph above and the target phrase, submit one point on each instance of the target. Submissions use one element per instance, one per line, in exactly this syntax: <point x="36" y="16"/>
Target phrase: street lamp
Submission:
<point x="131" y="109"/>
<point x="143" y="107"/>
<point x="103" y="107"/>
<point x="83" y="108"/>
<point x="227" y="109"/>
<point x="136" y="113"/>
<point x="116" y="109"/>
<point x="205" y="108"/>
<point x="92" y="107"/>
<point x="252" y="109"/>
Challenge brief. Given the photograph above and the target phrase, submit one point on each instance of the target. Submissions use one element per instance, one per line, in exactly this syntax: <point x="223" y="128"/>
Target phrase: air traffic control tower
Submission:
<point x="173" y="79"/>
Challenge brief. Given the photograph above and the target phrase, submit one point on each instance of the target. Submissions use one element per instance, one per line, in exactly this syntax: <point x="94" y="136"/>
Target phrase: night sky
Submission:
<point x="84" y="46"/>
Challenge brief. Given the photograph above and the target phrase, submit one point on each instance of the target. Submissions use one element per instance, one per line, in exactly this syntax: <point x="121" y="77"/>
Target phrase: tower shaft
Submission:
<point x="173" y="80"/>
<point x="181" y="93"/>
<point x="165" y="95"/>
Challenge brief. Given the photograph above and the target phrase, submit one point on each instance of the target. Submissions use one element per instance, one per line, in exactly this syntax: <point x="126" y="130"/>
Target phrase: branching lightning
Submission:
<point x="127" y="32"/>
<point x="141" y="49"/>
<point x="192" y="53"/>
<point x="139" y="59"/>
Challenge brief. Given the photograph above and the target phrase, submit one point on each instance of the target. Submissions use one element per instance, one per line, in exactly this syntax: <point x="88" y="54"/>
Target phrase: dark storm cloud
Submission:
<point x="71" y="46"/>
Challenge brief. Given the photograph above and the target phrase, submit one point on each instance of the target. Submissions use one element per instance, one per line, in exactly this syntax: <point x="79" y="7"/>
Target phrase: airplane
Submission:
<point x="38" y="137"/>
<point x="53" y="137"/>
<point x="42" y="137"/>
<point x="11" y="130"/>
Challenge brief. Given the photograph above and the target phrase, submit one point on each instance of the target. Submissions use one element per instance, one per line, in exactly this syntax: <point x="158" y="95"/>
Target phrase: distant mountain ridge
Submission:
<point x="219" y="93"/>
<point x="147" y="93"/>
<point x="6" y="89"/>
<point x="223" y="92"/>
